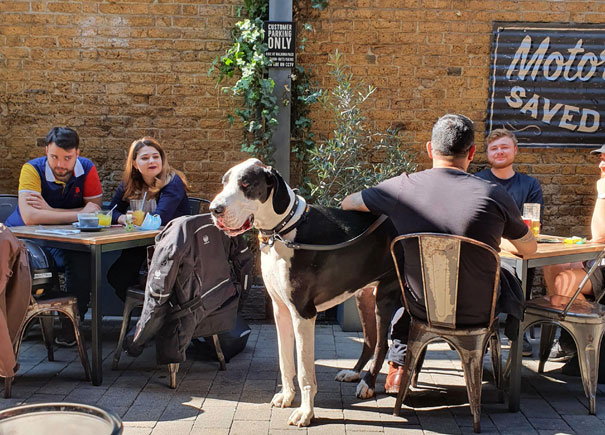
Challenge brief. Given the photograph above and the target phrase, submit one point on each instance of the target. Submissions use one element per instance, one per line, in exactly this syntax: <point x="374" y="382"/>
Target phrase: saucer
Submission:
<point x="88" y="229"/>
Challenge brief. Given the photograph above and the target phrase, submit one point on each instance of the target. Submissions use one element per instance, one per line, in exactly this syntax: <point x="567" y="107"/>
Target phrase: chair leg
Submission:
<point x="129" y="305"/>
<point x="73" y="316"/>
<point x="472" y="362"/>
<point x="219" y="352"/>
<point x="417" y="342"/>
<point x="547" y="337"/>
<point x="46" y="325"/>
<point x="418" y="368"/>
<point x="588" y="340"/>
<point x="173" y="369"/>
<point x="8" y="384"/>
<point x="496" y="356"/>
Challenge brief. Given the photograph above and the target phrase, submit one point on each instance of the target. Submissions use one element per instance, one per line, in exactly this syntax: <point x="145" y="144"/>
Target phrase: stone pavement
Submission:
<point x="236" y="401"/>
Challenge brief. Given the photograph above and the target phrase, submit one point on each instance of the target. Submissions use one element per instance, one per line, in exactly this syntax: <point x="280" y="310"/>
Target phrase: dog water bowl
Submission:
<point x="59" y="418"/>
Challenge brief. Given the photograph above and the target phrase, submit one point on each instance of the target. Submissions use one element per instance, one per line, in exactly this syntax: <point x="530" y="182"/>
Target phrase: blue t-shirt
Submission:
<point x="172" y="201"/>
<point x="522" y="187"/>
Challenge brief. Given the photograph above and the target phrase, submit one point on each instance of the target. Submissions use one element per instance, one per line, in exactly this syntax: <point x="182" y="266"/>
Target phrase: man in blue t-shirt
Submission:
<point x="501" y="149"/>
<point x="446" y="199"/>
<point x="52" y="190"/>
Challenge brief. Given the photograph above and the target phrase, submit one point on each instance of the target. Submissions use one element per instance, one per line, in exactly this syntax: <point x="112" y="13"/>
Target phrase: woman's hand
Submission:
<point x="122" y="220"/>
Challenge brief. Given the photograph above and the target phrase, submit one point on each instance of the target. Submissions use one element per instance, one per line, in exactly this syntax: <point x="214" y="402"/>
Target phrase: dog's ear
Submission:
<point x="281" y="197"/>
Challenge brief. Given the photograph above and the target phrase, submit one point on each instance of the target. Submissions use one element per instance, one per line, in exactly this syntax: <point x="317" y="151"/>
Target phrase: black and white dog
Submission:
<point x="302" y="282"/>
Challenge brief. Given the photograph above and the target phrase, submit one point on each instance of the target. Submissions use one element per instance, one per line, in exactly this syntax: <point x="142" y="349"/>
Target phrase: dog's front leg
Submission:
<point x="305" y="352"/>
<point x="285" y="337"/>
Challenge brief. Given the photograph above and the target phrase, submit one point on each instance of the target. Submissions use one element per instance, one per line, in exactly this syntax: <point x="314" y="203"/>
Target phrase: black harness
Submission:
<point x="268" y="237"/>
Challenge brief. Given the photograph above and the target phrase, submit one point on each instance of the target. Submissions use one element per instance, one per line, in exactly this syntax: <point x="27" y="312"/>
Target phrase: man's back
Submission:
<point x="449" y="201"/>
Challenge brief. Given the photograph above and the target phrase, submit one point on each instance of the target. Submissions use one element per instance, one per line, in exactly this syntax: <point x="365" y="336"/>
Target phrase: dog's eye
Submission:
<point x="245" y="184"/>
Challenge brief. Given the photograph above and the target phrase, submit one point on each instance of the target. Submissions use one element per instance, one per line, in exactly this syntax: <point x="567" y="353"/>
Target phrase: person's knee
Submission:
<point x="567" y="282"/>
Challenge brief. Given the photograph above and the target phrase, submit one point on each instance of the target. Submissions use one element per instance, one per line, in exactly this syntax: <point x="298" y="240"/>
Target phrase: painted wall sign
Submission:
<point x="280" y="37"/>
<point x="547" y="84"/>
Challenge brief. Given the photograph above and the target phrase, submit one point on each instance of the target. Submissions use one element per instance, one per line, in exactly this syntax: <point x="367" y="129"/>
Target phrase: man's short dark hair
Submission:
<point x="63" y="137"/>
<point x="453" y="135"/>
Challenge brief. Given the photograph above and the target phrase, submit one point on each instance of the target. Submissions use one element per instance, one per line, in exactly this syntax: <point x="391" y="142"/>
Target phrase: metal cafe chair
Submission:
<point x="585" y="322"/>
<point x="66" y="305"/>
<point x="196" y="204"/>
<point x="8" y="203"/>
<point x="440" y="256"/>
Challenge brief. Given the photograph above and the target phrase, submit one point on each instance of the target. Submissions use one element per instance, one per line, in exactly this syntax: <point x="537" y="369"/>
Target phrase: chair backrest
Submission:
<point x="196" y="204"/>
<point x="8" y="204"/>
<point x="440" y="258"/>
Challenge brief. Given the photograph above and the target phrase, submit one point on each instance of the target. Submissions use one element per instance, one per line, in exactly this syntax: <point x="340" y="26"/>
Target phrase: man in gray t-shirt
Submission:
<point x="446" y="199"/>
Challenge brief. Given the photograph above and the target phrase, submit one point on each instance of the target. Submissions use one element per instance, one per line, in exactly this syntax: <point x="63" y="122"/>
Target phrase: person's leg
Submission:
<point x="551" y="272"/>
<point x="125" y="271"/>
<point x="77" y="278"/>
<point x="76" y="266"/>
<point x="566" y="283"/>
<point x="400" y="327"/>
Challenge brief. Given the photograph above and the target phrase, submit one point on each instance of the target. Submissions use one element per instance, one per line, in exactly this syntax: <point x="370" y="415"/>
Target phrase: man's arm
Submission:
<point x="354" y="202"/>
<point x="35" y="210"/>
<point x="524" y="246"/>
<point x="597" y="224"/>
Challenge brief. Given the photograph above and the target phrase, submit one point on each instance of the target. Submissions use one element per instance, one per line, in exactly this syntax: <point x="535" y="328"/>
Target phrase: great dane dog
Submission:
<point x="302" y="281"/>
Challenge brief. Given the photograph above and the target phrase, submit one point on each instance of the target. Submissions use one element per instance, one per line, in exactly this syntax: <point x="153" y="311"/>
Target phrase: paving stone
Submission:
<point x="546" y="424"/>
<point x="172" y="427"/>
<point x="237" y="400"/>
<point x="240" y="427"/>
<point x="217" y="417"/>
<point x="584" y="424"/>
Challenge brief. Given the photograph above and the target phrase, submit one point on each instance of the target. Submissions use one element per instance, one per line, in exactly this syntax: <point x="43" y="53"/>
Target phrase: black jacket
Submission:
<point x="195" y="279"/>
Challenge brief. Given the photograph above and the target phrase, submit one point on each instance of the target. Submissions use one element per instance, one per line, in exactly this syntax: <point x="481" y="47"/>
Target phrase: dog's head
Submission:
<point x="252" y="192"/>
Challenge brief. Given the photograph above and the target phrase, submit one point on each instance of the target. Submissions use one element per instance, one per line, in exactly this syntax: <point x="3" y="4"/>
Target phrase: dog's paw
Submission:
<point x="347" y="376"/>
<point x="364" y="391"/>
<point x="283" y="399"/>
<point x="300" y="417"/>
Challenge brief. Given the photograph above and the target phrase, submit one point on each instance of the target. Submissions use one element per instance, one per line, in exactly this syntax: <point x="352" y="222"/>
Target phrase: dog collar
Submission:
<point x="284" y="221"/>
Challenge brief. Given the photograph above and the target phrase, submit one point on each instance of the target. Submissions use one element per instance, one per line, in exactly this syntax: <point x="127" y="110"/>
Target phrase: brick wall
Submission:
<point x="431" y="57"/>
<point x="115" y="71"/>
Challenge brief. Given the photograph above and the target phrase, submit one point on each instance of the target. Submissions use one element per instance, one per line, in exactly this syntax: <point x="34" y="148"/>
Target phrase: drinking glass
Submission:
<point x="138" y="214"/>
<point x="531" y="217"/>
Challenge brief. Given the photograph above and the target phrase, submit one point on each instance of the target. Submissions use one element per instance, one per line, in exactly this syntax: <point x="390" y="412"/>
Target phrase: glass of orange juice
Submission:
<point x="138" y="215"/>
<point x="104" y="218"/>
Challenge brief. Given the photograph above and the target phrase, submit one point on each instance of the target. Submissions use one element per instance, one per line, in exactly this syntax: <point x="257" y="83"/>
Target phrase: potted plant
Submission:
<point x="354" y="157"/>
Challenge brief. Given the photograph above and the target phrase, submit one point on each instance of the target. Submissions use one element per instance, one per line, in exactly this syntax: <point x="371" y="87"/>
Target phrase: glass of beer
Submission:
<point x="531" y="217"/>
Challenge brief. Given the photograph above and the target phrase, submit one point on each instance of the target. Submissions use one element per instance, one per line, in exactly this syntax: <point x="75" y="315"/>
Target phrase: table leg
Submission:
<point x="97" y="357"/>
<point x="516" y="351"/>
<point x="515" y="364"/>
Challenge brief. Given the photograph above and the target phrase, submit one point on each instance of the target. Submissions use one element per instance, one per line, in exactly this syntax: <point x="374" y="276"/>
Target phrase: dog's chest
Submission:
<point x="275" y="266"/>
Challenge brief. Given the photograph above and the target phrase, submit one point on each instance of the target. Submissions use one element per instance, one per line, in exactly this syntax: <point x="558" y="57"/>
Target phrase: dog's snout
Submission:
<point x="217" y="209"/>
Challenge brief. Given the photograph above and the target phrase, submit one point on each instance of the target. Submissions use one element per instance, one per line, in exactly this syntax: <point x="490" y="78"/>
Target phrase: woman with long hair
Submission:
<point x="147" y="174"/>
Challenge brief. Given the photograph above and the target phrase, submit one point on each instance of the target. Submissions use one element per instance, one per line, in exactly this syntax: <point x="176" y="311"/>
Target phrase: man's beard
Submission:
<point x="61" y="177"/>
<point x="499" y="165"/>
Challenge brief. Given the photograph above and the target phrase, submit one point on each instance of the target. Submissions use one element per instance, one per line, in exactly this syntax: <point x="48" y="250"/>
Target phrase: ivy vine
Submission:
<point x="246" y="59"/>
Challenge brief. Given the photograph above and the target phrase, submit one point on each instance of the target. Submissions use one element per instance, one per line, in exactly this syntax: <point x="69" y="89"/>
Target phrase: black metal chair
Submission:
<point x="440" y="256"/>
<point x="196" y="204"/>
<point x="8" y="203"/>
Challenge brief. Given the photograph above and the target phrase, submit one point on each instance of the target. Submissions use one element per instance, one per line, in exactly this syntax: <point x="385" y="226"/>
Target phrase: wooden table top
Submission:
<point x="559" y="248"/>
<point x="106" y="235"/>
